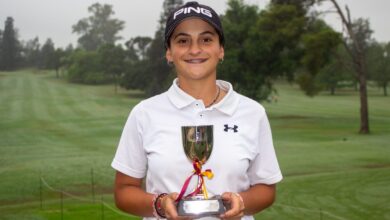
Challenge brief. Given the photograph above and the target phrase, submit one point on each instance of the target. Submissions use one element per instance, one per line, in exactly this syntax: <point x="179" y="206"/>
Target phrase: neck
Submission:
<point x="206" y="90"/>
<point x="216" y="97"/>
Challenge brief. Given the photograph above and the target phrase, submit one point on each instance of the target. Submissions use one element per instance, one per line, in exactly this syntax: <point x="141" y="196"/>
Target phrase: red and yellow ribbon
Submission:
<point x="201" y="184"/>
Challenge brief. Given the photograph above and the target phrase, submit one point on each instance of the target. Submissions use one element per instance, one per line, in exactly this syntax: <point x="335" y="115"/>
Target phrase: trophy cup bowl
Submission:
<point x="198" y="145"/>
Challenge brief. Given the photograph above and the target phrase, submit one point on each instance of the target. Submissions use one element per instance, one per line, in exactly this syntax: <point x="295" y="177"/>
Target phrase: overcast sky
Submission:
<point x="54" y="18"/>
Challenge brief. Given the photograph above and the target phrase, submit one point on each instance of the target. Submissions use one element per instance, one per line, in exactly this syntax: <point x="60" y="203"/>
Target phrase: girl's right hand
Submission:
<point x="168" y="204"/>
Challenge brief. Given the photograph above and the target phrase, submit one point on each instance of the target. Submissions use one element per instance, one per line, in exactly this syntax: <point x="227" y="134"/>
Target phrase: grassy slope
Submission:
<point x="61" y="131"/>
<point x="331" y="172"/>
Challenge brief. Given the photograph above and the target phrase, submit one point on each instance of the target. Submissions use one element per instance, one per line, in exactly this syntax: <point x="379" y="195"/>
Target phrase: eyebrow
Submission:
<point x="186" y="35"/>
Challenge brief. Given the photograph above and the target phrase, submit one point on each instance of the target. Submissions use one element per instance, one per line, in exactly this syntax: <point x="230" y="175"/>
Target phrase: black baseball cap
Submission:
<point x="192" y="9"/>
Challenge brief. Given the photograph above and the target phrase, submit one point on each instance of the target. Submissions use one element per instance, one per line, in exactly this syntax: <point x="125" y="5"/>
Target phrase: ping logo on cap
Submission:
<point x="188" y="10"/>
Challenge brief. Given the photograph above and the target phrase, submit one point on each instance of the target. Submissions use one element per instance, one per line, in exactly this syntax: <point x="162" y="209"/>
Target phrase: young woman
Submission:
<point x="243" y="159"/>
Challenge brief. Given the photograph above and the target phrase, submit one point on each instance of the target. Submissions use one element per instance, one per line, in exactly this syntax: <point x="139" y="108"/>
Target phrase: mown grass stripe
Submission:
<point x="7" y="89"/>
<point x="27" y="95"/>
<point x="14" y="100"/>
<point x="45" y="101"/>
<point x="73" y="99"/>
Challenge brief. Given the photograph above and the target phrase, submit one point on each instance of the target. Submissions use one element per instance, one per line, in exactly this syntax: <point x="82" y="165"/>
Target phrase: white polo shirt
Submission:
<point x="243" y="152"/>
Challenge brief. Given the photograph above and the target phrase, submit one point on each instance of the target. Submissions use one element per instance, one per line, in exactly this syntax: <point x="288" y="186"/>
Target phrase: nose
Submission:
<point x="195" y="48"/>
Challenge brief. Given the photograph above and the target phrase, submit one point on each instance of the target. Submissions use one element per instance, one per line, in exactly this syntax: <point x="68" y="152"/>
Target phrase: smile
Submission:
<point x="196" y="61"/>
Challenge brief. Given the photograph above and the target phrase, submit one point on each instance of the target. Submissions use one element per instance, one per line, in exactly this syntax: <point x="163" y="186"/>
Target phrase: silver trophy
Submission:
<point x="198" y="145"/>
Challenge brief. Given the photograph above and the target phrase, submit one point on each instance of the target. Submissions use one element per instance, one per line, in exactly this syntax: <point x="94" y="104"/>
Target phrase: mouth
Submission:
<point x="196" y="61"/>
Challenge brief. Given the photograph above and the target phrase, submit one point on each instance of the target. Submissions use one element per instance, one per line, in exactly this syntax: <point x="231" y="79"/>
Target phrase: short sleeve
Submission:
<point x="264" y="168"/>
<point x="130" y="157"/>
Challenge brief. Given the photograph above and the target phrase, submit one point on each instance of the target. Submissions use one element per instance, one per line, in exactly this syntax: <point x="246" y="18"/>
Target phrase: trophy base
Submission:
<point x="197" y="206"/>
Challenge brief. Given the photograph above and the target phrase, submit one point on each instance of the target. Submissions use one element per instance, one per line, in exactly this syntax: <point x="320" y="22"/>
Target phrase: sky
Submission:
<point x="54" y="18"/>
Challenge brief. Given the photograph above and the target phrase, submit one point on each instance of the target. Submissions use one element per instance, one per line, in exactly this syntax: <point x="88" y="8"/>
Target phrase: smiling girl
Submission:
<point x="243" y="160"/>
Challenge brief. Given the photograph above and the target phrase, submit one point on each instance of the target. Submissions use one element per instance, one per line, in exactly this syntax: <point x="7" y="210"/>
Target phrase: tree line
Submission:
<point x="287" y="39"/>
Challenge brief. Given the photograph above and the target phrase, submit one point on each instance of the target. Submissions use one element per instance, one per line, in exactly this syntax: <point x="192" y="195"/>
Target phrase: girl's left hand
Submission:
<point x="236" y="204"/>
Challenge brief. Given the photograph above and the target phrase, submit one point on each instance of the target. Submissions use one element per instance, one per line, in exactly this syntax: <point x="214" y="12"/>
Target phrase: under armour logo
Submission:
<point x="234" y="128"/>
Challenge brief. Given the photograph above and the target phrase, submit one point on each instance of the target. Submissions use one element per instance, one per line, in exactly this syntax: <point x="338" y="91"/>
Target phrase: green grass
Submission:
<point x="331" y="172"/>
<point x="60" y="132"/>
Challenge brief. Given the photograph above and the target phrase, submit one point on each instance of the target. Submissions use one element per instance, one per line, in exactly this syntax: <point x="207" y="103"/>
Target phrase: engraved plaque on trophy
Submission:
<point x="198" y="145"/>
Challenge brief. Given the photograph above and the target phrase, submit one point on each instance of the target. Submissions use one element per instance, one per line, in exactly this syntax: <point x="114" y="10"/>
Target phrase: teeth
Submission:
<point x="195" y="61"/>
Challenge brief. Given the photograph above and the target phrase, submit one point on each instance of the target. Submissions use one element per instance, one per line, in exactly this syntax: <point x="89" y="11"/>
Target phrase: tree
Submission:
<point x="138" y="48"/>
<point x="57" y="60"/>
<point x="31" y="51"/>
<point x="99" y="28"/>
<point x="384" y="78"/>
<point x="112" y="61"/>
<point x="279" y="41"/>
<point x="136" y="75"/>
<point x="335" y="74"/>
<point x="262" y="46"/>
<point x="304" y="5"/>
<point x="378" y="64"/>
<point x="47" y="56"/>
<point x="1" y="44"/>
<point x="319" y="45"/>
<point x="238" y="22"/>
<point x="157" y="70"/>
<point x="85" y="67"/>
<point x="358" y="33"/>
<point x="9" y="46"/>
<point x="148" y="69"/>
<point x="66" y="58"/>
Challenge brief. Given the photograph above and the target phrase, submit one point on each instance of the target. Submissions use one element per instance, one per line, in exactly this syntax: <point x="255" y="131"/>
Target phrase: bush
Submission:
<point x="85" y="67"/>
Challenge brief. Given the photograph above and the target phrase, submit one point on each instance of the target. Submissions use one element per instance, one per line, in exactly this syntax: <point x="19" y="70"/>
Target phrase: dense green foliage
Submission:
<point x="112" y="60"/>
<point x="9" y="46"/>
<point x="86" y="67"/>
<point x="335" y="74"/>
<point x="237" y="23"/>
<point x="379" y="65"/>
<point x="47" y="57"/>
<point x="148" y="69"/>
<point x="280" y="41"/>
<point x="31" y="51"/>
<point x="62" y="132"/>
<point x="99" y="28"/>
<point x="153" y="69"/>
<point x="105" y="65"/>
<point x="135" y="74"/>
<point x="320" y="44"/>
<point x="1" y="42"/>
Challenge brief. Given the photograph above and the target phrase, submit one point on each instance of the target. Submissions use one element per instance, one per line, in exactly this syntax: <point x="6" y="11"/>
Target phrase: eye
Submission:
<point x="182" y="41"/>
<point x="207" y="40"/>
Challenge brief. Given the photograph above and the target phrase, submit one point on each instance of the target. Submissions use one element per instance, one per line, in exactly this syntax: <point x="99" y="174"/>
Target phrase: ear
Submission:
<point x="221" y="53"/>
<point x="168" y="55"/>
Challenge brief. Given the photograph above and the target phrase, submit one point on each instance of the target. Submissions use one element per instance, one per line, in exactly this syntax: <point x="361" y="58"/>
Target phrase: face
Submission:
<point x="195" y="50"/>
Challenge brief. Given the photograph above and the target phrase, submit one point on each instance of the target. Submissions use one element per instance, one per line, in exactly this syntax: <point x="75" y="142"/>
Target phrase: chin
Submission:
<point x="199" y="76"/>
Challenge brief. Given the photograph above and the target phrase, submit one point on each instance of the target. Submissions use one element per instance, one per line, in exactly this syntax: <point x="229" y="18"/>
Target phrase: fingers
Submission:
<point x="169" y="206"/>
<point x="236" y="206"/>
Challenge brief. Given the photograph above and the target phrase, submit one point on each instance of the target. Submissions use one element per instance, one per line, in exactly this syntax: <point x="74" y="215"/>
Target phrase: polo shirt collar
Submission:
<point x="227" y="105"/>
<point x="178" y="97"/>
